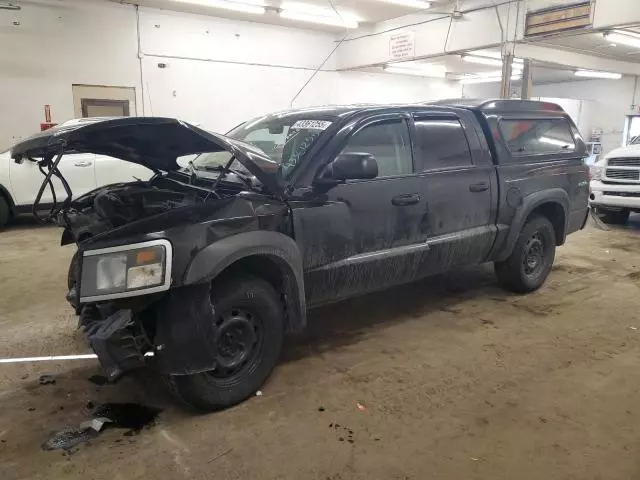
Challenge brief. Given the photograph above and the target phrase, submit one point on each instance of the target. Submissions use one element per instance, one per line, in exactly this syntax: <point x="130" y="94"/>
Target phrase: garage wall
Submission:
<point x="609" y="101"/>
<point x="217" y="72"/>
<point x="53" y="45"/>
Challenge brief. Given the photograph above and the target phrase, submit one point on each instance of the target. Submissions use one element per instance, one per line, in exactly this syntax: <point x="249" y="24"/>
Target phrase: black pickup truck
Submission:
<point x="201" y="270"/>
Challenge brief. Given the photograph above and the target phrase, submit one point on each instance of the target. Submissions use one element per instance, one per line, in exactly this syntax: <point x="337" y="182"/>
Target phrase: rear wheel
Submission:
<point x="614" y="217"/>
<point x="250" y="328"/>
<point x="529" y="264"/>
<point x="5" y="211"/>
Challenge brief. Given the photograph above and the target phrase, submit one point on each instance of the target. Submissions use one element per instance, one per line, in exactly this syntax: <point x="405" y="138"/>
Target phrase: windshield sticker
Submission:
<point x="311" y="125"/>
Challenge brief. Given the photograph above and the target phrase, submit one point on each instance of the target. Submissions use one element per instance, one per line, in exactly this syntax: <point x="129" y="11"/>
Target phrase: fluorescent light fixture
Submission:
<point x="594" y="74"/>
<point x="490" y="62"/>
<point x="433" y="72"/>
<point x="304" y="12"/>
<point x="246" y="7"/>
<point x="470" y="81"/>
<point x="623" y="38"/>
<point x="491" y="54"/>
<point x="410" y="3"/>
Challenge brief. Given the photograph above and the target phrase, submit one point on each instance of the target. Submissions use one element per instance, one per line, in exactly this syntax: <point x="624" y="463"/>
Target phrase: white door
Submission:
<point x="77" y="169"/>
<point x="113" y="170"/>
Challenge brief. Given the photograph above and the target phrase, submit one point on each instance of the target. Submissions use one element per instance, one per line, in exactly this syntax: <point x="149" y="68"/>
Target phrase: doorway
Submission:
<point x="103" y="101"/>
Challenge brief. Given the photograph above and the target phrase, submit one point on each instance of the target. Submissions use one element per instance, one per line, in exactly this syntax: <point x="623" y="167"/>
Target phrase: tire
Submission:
<point x="5" y="211"/>
<point x="529" y="264"/>
<point x="237" y="298"/>
<point x="614" y="217"/>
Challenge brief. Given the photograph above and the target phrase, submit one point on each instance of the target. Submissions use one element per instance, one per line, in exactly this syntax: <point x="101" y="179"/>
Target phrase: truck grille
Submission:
<point x="617" y="173"/>
<point x="624" y="162"/>
<point x="622" y="194"/>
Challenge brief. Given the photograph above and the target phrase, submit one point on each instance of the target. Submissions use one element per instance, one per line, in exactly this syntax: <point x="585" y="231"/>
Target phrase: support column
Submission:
<point x="505" y="84"/>
<point x="525" y="92"/>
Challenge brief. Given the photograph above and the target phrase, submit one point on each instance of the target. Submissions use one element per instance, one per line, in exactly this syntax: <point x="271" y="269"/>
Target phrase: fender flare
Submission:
<point x="528" y="205"/>
<point x="209" y="262"/>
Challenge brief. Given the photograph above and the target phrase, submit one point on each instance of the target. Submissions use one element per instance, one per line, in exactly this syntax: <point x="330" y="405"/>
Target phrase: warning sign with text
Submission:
<point x="401" y="45"/>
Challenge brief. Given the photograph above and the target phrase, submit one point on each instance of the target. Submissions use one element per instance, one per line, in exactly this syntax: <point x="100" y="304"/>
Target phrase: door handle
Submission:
<point x="405" y="199"/>
<point x="83" y="163"/>
<point x="479" y="187"/>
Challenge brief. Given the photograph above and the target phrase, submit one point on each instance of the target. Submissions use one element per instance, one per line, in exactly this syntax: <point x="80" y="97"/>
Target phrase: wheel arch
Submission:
<point x="272" y="256"/>
<point x="552" y="204"/>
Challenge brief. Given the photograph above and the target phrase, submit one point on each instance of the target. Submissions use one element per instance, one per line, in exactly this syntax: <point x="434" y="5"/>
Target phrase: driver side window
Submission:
<point x="389" y="142"/>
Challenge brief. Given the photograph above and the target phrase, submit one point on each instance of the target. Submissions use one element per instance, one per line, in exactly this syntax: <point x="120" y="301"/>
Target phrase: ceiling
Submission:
<point x="369" y="11"/>
<point x="594" y="43"/>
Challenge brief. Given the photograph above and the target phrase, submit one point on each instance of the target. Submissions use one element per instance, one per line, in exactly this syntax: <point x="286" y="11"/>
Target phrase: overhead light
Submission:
<point x="246" y="7"/>
<point x="594" y="74"/>
<point x="492" y="54"/>
<point x="433" y="71"/>
<point x="623" y="38"/>
<point x="469" y="81"/>
<point x="491" y="62"/>
<point x="304" y="12"/>
<point x="410" y="3"/>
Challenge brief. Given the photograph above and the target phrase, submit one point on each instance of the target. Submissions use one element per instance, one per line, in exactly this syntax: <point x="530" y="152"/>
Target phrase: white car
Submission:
<point x="20" y="182"/>
<point x="615" y="184"/>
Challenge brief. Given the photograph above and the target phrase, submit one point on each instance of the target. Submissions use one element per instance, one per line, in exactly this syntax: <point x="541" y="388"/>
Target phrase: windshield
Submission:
<point x="284" y="140"/>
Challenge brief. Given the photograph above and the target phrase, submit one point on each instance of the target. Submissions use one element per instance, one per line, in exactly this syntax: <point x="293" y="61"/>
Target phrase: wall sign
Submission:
<point x="402" y="45"/>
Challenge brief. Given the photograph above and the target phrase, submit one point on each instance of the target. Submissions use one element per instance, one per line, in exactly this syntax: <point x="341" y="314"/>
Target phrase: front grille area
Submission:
<point x="622" y="174"/>
<point x="624" y="162"/>
<point x="622" y="194"/>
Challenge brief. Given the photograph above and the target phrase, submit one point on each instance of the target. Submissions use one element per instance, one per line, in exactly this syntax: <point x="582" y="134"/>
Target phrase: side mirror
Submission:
<point x="351" y="166"/>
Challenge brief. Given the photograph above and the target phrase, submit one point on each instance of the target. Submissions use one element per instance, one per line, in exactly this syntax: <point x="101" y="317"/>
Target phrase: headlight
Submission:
<point x="125" y="271"/>
<point x="595" y="172"/>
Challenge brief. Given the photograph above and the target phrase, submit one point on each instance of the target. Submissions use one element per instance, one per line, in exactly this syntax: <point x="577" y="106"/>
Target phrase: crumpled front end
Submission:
<point x="173" y="333"/>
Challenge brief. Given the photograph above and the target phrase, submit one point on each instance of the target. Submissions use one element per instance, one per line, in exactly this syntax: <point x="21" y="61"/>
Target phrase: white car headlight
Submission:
<point x="125" y="271"/>
<point x="595" y="172"/>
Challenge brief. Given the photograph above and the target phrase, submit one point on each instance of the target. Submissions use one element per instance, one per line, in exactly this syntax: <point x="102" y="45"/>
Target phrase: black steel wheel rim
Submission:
<point x="239" y="342"/>
<point x="533" y="258"/>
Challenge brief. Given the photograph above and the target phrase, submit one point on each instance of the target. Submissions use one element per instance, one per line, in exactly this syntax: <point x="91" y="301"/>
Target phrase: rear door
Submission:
<point x="113" y="170"/>
<point x="459" y="185"/>
<point x="366" y="236"/>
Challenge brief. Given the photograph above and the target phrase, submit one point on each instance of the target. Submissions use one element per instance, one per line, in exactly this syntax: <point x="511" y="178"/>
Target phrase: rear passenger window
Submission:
<point x="389" y="143"/>
<point x="536" y="137"/>
<point x="441" y="144"/>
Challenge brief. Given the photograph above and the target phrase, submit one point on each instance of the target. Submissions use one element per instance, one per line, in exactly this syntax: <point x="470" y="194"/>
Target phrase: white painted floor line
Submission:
<point x="55" y="358"/>
<point x="48" y="359"/>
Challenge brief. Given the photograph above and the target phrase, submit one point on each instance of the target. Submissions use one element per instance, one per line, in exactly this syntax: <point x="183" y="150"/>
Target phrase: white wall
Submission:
<point x="219" y="72"/>
<point x="56" y="45"/>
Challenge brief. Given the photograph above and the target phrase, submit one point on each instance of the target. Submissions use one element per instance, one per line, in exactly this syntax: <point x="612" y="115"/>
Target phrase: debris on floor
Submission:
<point x="47" y="380"/>
<point x="130" y="416"/>
<point x="360" y="406"/>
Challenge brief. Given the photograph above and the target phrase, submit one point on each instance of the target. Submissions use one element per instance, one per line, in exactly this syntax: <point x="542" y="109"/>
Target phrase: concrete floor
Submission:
<point x="458" y="379"/>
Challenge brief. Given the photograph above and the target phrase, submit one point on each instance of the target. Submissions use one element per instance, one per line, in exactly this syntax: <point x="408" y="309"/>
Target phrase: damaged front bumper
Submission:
<point x="174" y="333"/>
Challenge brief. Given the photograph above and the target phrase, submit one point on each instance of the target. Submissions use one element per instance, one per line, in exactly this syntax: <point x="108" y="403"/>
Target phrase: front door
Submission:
<point x="77" y="169"/>
<point x="365" y="236"/>
<point x="459" y="185"/>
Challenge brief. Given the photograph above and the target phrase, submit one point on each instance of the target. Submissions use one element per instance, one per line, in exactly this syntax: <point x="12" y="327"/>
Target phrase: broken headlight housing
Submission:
<point x="125" y="271"/>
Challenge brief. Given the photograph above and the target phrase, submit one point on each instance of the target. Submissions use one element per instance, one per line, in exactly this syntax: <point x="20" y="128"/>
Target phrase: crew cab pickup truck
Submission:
<point x="615" y="184"/>
<point x="200" y="272"/>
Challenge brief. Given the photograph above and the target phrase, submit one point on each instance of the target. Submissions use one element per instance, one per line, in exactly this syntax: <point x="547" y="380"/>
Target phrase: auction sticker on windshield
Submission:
<point x="311" y="125"/>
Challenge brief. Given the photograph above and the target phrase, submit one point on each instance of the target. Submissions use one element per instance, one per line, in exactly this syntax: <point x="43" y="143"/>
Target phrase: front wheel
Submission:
<point x="5" y="211"/>
<point x="250" y="326"/>
<point x="529" y="264"/>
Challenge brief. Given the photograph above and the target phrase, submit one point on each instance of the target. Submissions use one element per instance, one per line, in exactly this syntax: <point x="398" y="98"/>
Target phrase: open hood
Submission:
<point x="153" y="142"/>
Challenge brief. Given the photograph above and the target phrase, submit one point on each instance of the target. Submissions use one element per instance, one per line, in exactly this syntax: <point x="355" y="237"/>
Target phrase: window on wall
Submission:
<point x="389" y="143"/>
<point x="537" y="137"/>
<point x="441" y="144"/>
